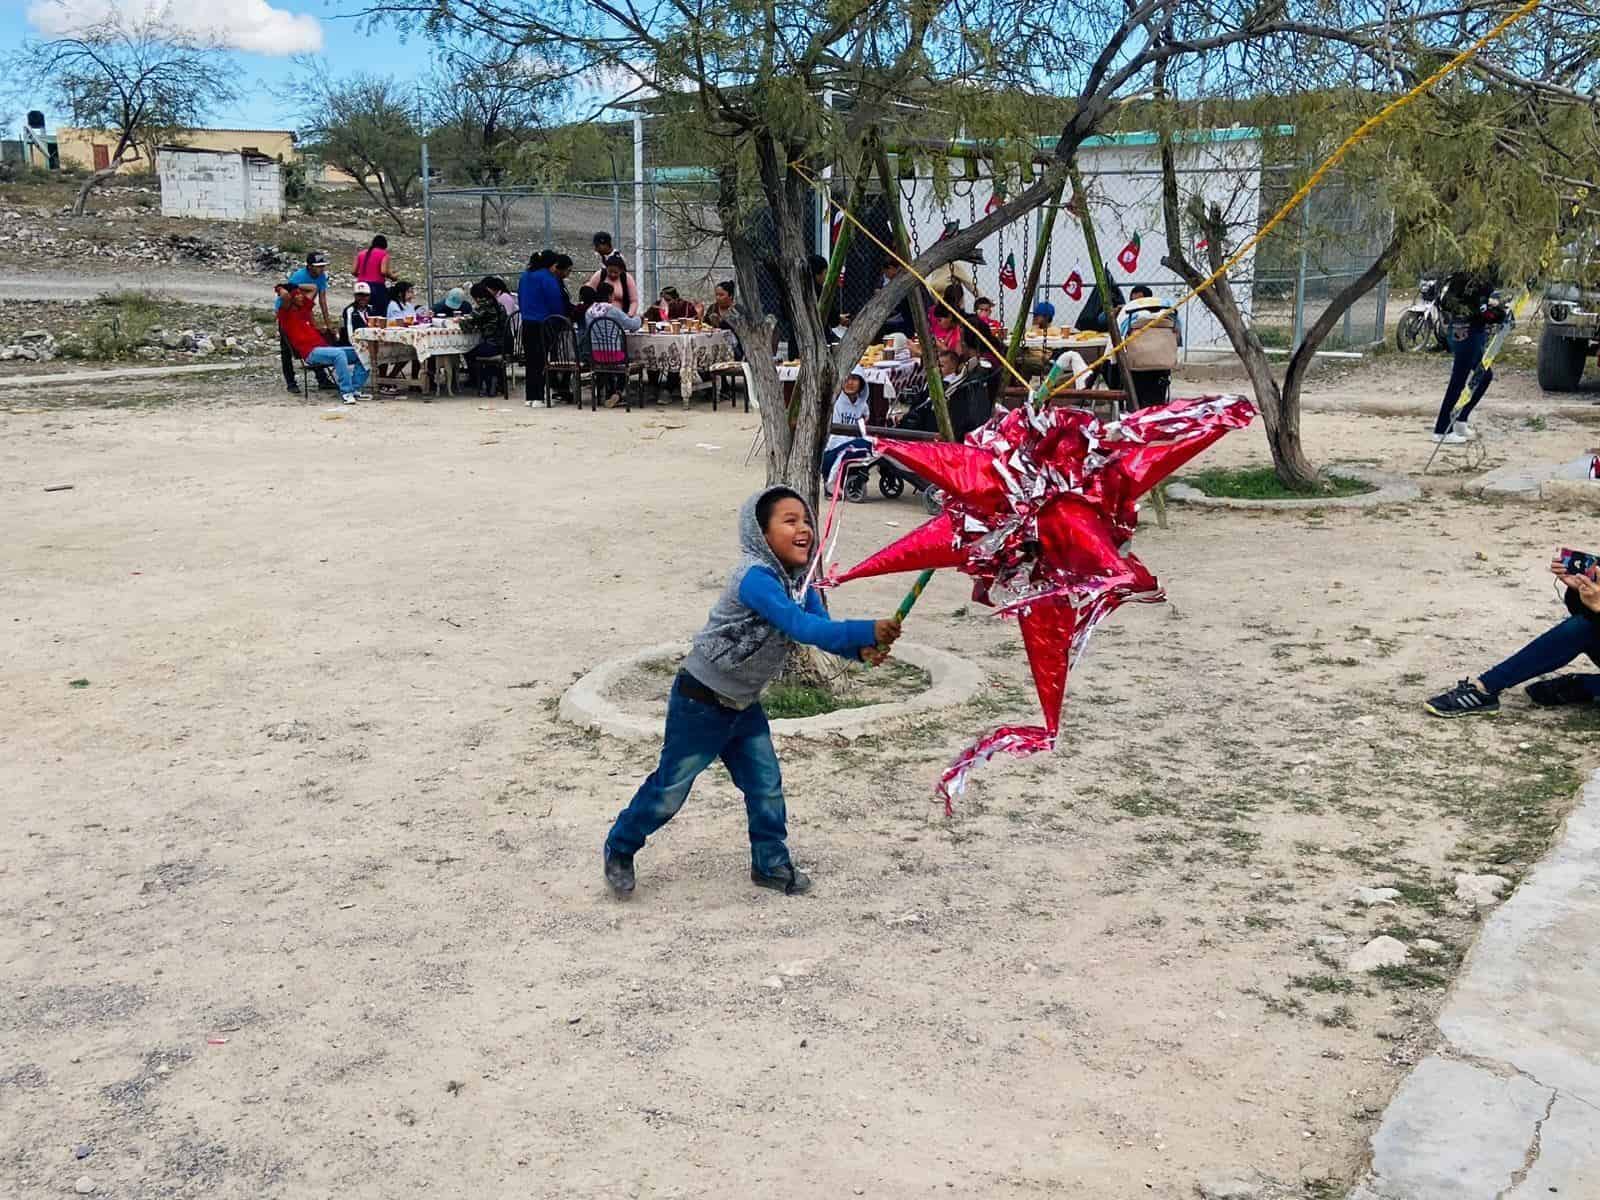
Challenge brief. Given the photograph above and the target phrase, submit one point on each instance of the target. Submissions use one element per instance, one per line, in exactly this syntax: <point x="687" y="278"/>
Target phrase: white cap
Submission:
<point x="363" y="289"/>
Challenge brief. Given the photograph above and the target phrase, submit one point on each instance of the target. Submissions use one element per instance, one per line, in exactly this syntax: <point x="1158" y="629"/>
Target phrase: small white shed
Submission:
<point x="220" y="185"/>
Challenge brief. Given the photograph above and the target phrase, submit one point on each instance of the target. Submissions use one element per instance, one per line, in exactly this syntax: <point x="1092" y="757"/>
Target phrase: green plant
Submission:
<point x="1262" y="483"/>
<point x="131" y="317"/>
<point x="784" y="700"/>
<point x="1321" y="983"/>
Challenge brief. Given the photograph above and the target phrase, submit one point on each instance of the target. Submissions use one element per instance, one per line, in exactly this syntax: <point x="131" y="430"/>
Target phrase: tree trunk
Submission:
<point x="1279" y="415"/>
<point x="89" y="185"/>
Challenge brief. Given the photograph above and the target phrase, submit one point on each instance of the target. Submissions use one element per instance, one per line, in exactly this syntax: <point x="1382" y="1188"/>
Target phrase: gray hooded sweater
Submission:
<point x="760" y="612"/>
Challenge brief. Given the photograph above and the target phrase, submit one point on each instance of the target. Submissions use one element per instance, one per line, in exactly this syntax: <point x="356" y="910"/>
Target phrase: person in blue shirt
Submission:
<point x="715" y="707"/>
<point x="313" y="275"/>
<point x="540" y="294"/>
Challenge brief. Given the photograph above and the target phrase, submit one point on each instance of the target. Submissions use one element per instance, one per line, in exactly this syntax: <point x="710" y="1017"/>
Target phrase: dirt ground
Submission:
<point x="301" y="894"/>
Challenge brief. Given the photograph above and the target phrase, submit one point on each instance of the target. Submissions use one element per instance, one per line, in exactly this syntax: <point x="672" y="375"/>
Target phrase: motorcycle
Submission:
<point x="1424" y="318"/>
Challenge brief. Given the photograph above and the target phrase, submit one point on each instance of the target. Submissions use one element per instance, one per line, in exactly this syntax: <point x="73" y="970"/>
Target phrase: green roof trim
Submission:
<point x="1236" y="133"/>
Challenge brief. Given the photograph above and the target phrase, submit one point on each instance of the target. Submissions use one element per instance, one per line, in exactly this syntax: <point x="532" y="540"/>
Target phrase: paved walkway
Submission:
<point x="1508" y="1108"/>
<point x="89" y="376"/>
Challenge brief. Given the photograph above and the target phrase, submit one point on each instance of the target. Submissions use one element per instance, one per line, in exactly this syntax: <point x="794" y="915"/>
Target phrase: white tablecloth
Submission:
<point x="685" y="353"/>
<point x="400" y="343"/>
<point x="1090" y="348"/>
<point x="893" y="375"/>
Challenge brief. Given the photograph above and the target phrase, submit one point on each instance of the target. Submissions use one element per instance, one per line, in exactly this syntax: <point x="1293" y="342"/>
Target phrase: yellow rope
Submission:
<point x="1362" y="132"/>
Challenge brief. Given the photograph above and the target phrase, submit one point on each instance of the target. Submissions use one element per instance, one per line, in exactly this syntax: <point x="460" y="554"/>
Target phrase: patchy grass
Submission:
<point x="1262" y="483"/>
<point x="785" y="700"/>
<point x="1326" y="984"/>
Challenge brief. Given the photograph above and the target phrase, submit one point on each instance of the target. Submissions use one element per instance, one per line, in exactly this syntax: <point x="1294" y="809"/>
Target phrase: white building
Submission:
<point x="220" y="185"/>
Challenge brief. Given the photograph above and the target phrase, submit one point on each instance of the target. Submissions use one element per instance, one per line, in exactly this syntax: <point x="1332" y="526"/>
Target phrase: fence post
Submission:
<point x="1381" y="318"/>
<point x="427" y="227"/>
<point x="638" y="189"/>
<point x="547" y="242"/>
<point x="616" y="211"/>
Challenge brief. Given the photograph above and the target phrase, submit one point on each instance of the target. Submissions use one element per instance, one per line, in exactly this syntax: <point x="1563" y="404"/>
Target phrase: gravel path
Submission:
<point x="196" y="287"/>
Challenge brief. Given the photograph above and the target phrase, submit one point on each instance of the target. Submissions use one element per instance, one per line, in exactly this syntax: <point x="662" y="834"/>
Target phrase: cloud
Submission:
<point x="249" y="25"/>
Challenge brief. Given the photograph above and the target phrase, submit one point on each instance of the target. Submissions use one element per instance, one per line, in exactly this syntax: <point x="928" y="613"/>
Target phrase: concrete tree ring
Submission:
<point x="1392" y="489"/>
<point x="953" y="681"/>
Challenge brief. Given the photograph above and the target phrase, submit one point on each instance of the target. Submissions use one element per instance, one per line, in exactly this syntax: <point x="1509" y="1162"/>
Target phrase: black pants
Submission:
<point x="1150" y="387"/>
<point x="1466" y="347"/>
<point x="534" y="356"/>
<point x="290" y="361"/>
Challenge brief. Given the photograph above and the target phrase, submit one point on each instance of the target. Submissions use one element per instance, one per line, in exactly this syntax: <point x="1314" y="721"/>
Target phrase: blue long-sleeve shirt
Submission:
<point x="539" y="295"/>
<point x="761" y="592"/>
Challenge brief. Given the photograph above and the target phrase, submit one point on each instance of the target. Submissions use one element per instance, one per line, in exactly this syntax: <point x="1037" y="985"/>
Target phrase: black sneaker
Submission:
<point x="1563" y="689"/>
<point x="294" y="389"/>
<point x="789" y="880"/>
<point x="1466" y="699"/>
<point x="619" y="873"/>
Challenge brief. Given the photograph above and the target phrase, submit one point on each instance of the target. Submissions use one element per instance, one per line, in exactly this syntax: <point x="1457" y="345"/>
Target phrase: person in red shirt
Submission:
<point x="294" y="319"/>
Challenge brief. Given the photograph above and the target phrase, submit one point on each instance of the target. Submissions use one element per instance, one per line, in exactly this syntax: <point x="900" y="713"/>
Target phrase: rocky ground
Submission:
<point x="137" y="329"/>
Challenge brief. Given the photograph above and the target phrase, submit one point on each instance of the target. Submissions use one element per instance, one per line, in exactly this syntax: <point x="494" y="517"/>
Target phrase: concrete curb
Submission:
<point x="1581" y="411"/>
<point x="1392" y="489"/>
<point x="955" y="681"/>
<point x="1508" y="1107"/>
<point x="1562" y="484"/>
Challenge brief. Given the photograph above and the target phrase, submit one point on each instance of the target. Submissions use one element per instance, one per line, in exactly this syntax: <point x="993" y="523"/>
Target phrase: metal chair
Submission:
<point x="607" y="336"/>
<point x="561" y="349"/>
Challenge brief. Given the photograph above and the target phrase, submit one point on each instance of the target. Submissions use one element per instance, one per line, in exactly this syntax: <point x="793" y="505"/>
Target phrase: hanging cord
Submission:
<point x="1362" y="132"/>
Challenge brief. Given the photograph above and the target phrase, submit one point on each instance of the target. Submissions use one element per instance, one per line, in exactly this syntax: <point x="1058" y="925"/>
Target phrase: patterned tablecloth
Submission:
<point x="685" y="353"/>
<point x="1091" y="348"/>
<point x="402" y="343"/>
<point x="892" y="375"/>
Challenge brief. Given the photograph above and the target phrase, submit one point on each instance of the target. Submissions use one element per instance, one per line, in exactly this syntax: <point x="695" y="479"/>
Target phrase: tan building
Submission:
<point x="91" y="149"/>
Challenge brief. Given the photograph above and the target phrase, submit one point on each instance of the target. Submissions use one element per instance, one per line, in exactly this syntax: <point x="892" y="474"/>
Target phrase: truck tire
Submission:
<point x="1560" y="360"/>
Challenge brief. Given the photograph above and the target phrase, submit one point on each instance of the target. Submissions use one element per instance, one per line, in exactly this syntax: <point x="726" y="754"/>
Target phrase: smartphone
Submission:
<point x="1578" y="562"/>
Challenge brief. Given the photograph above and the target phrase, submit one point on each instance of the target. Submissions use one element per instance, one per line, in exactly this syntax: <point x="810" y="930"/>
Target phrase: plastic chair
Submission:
<point x="607" y="337"/>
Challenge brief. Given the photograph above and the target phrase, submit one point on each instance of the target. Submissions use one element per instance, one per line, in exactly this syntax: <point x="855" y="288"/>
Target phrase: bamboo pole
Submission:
<point x="919" y="315"/>
<point x="1035" y="269"/>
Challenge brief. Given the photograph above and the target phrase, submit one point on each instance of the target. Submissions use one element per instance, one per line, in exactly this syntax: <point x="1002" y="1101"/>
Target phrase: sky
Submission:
<point x="262" y="36"/>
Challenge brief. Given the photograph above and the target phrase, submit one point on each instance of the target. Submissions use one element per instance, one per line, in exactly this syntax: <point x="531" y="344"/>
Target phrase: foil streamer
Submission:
<point x="1040" y="507"/>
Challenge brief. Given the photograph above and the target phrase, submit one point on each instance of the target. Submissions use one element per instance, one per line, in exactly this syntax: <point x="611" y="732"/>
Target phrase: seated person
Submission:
<point x="850" y="407"/>
<point x="671" y="307"/>
<point x="503" y="296"/>
<point x="1153" y="356"/>
<point x="355" y="314"/>
<point x="1043" y="314"/>
<point x="294" y="319"/>
<point x="1035" y="360"/>
<point x="604" y="308"/>
<point x="1551" y="650"/>
<point x="454" y="304"/>
<point x="950" y="366"/>
<point x="402" y="300"/>
<point x="624" y="290"/>
<point x="492" y="324"/>
<point x="942" y="322"/>
<point x="719" y="315"/>
<point x="984" y="308"/>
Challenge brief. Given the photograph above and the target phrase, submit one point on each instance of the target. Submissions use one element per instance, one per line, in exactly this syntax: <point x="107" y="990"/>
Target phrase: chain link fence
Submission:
<point x="668" y="230"/>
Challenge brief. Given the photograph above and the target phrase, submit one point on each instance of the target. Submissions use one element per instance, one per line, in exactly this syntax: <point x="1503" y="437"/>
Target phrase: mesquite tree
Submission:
<point x="750" y="79"/>
<point x="1486" y="169"/>
<point x="138" y="79"/>
<point x="367" y="126"/>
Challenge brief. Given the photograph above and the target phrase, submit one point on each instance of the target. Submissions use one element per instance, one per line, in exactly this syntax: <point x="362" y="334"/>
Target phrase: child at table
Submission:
<point x="984" y="307"/>
<point x="850" y="407"/>
<point x="714" y="710"/>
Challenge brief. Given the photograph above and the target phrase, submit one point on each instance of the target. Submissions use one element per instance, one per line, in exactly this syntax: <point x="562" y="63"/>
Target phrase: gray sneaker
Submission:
<point x="619" y="873"/>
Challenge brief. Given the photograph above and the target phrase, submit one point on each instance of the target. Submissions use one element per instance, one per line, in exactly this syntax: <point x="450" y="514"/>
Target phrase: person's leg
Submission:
<point x="753" y="764"/>
<point x="287" y="359"/>
<point x="534" y="356"/>
<point x="1466" y="345"/>
<point x="1482" y="377"/>
<point x="332" y="357"/>
<point x="695" y="735"/>
<point x="1549" y="651"/>
<point x="358" y="370"/>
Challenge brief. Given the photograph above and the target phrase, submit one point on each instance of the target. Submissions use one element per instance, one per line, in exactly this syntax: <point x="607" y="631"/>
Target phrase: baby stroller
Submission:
<point x="970" y="406"/>
<point x="858" y="467"/>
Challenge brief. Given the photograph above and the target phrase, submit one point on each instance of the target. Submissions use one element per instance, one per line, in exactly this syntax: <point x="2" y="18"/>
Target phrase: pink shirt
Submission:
<point x="633" y="290"/>
<point x="370" y="265"/>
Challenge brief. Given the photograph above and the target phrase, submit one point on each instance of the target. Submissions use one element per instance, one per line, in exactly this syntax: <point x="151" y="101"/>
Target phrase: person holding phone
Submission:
<point x="1550" y="651"/>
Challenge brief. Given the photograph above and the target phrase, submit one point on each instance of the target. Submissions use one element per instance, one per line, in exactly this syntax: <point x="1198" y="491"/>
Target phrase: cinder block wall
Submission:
<point x="219" y="187"/>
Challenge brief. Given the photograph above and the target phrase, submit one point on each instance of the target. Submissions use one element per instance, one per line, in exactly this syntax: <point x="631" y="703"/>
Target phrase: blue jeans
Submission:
<point x="698" y="732"/>
<point x="1466" y="345"/>
<point x="347" y="368"/>
<point x="1548" y="652"/>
